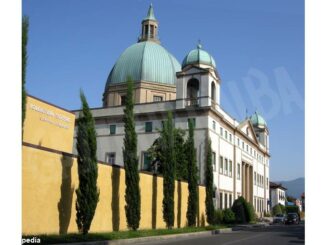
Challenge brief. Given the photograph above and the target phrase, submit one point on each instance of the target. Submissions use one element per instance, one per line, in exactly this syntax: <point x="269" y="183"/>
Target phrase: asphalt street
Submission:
<point x="274" y="234"/>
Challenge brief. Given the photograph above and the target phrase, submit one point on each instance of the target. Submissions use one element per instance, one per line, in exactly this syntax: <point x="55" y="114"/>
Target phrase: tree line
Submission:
<point x="171" y="155"/>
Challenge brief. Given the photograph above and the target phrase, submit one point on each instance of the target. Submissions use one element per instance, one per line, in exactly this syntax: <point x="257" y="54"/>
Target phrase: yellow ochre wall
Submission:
<point x="49" y="183"/>
<point x="50" y="178"/>
<point x="47" y="125"/>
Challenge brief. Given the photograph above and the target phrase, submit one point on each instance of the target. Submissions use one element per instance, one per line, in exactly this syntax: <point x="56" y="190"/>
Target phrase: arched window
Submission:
<point x="213" y="91"/>
<point x="192" y="91"/>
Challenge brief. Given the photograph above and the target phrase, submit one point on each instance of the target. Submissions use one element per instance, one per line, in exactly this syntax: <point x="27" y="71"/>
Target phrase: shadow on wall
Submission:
<point x="115" y="202"/>
<point x="179" y="204"/>
<point x="67" y="191"/>
<point x="202" y="220"/>
<point x="154" y="201"/>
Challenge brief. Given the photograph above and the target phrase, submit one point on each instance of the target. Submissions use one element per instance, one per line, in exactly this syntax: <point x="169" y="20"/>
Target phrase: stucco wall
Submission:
<point x="48" y="125"/>
<point x="49" y="181"/>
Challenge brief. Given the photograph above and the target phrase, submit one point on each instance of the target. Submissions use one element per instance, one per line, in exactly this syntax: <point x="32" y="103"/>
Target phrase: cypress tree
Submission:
<point x="25" y="25"/>
<point x="87" y="192"/>
<point x="180" y="154"/>
<point x="192" y="209"/>
<point x="132" y="194"/>
<point x="168" y="171"/>
<point x="209" y="184"/>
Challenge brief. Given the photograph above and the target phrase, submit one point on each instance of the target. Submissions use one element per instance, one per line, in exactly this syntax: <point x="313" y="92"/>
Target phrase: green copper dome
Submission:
<point x="258" y="121"/>
<point x="147" y="61"/>
<point x="198" y="56"/>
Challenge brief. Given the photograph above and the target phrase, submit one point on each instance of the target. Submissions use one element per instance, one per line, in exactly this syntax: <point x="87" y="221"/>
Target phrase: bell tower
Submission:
<point x="149" y="27"/>
<point x="198" y="83"/>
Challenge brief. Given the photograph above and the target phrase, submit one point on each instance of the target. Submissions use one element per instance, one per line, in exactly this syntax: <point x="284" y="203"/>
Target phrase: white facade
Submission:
<point x="277" y="194"/>
<point x="233" y="144"/>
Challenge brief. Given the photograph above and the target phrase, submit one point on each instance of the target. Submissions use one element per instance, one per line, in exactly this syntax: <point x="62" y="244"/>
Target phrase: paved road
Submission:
<point x="272" y="235"/>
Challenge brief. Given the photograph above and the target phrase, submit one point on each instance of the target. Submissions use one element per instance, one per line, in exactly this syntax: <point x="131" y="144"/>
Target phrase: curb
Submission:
<point x="153" y="238"/>
<point x="250" y="226"/>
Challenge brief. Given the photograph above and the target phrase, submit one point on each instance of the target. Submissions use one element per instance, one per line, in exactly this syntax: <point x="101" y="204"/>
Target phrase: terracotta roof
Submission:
<point x="274" y="185"/>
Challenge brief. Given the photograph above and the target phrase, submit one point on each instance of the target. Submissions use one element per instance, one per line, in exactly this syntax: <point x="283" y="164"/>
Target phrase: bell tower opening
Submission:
<point x="213" y="92"/>
<point x="192" y="92"/>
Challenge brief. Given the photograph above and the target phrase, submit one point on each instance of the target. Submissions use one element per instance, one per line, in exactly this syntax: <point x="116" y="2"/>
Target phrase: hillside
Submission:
<point x="295" y="187"/>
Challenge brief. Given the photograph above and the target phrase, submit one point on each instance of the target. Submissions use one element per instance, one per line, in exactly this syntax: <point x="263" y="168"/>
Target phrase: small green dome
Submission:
<point x="258" y="121"/>
<point x="147" y="61"/>
<point x="198" y="56"/>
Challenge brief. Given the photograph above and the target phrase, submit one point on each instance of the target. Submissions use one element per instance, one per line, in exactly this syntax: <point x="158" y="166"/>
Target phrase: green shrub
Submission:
<point x="218" y="216"/>
<point x="249" y="211"/>
<point x="228" y="216"/>
<point x="239" y="210"/>
<point x="283" y="208"/>
<point x="292" y="209"/>
<point x="277" y="209"/>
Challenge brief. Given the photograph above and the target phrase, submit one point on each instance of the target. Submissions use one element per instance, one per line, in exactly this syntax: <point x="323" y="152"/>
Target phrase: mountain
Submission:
<point x="294" y="187"/>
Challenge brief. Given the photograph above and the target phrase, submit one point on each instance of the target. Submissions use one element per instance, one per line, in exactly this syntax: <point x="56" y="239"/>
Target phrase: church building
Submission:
<point x="191" y="91"/>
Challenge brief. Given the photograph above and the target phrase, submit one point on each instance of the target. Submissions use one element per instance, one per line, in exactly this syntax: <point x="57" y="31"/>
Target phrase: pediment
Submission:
<point x="191" y="70"/>
<point x="246" y="128"/>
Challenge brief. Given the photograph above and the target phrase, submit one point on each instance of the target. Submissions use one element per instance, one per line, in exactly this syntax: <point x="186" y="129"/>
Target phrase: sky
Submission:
<point x="258" y="47"/>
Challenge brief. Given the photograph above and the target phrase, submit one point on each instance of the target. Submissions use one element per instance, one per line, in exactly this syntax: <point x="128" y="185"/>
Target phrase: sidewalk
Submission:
<point x="153" y="238"/>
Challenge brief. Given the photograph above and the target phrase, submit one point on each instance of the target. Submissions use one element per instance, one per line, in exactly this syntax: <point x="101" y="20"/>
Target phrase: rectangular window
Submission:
<point x="238" y="173"/>
<point x="146" y="162"/>
<point x="230" y="137"/>
<point x="260" y="178"/>
<point x="238" y="142"/>
<point x="148" y="127"/>
<point x="230" y="168"/>
<point x="214" y="161"/>
<point x="157" y="98"/>
<point x="221" y="165"/>
<point x="221" y="131"/>
<point x="112" y="129"/>
<point x="225" y="200"/>
<point x="254" y="178"/>
<point x="110" y="158"/>
<point x="258" y="206"/>
<point x="230" y="200"/>
<point x="226" y="166"/>
<point x="255" y="203"/>
<point x="225" y="134"/>
<point x="254" y="153"/>
<point x="193" y="120"/>
<point x="122" y="100"/>
<point x="247" y="149"/>
<point x="242" y="145"/>
<point x="214" y="125"/>
<point x="221" y="200"/>
<point x="250" y="151"/>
